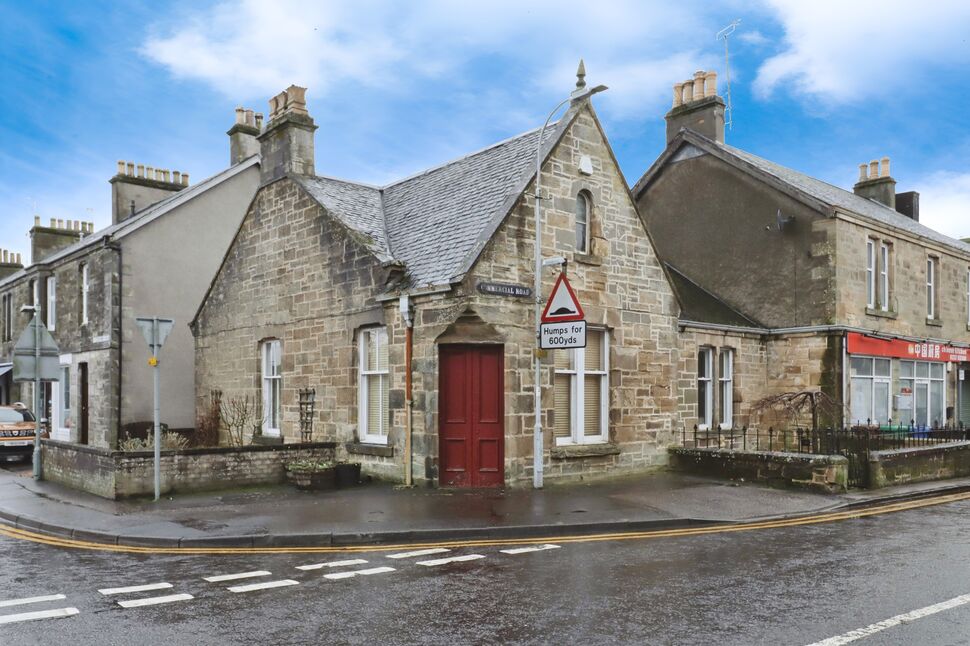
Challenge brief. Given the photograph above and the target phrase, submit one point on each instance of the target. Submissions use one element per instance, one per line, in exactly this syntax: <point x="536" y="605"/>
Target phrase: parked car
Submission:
<point x="17" y="430"/>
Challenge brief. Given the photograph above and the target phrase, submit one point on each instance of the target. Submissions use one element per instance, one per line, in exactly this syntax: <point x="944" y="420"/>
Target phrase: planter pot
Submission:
<point x="321" y="480"/>
<point x="348" y="474"/>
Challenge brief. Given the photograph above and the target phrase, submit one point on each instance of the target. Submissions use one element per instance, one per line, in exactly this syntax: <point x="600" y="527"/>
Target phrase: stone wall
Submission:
<point x="919" y="464"/>
<point x="823" y="473"/>
<point x="119" y="474"/>
<point x="907" y="296"/>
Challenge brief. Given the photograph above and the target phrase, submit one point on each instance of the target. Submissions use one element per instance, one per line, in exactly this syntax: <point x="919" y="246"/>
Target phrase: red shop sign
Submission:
<point x="862" y="344"/>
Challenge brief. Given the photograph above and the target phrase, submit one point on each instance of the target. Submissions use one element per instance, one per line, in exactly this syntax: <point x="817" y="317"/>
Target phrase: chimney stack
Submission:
<point x="875" y="183"/>
<point x="136" y="186"/>
<point x="242" y="136"/>
<point x="9" y="263"/>
<point x="697" y="107"/>
<point x="286" y="144"/>
<point x="44" y="241"/>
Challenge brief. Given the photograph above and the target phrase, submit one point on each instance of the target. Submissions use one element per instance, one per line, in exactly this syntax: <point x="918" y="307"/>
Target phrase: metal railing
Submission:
<point x="822" y="441"/>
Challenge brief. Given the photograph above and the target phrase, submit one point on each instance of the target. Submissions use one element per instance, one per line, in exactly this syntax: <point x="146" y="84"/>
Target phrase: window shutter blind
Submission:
<point x="561" y="408"/>
<point x="591" y="402"/>
<point x="375" y="404"/>
<point x="594" y="351"/>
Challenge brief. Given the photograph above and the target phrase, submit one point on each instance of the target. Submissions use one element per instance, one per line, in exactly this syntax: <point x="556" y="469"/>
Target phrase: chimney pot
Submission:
<point x="874" y="169"/>
<point x="4" y="259"/>
<point x="121" y="167"/>
<point x="678" y="94"/>
<point x="141" y="170"/>
<point x="176" y="177"/>
<point x="259" y="120"/>
<point x="698" y="85"/>
<point x="185" y="179"/>
<point x="710" y="84"/>
<point x="250" y="119"/>
<point x="688" y="91"/>
<point x="36" y="220"/>
<point x="131" y="168"/>
<point x="885" y="167"/>
<point x="240" y="115"/>
<point x="53" y="223"/>
<point x="863" y="172"/>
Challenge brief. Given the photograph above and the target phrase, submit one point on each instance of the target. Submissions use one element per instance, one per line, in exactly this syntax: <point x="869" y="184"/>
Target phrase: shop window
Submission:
<point x="583" y="211"/>
<point x="581" y="398"/>
<point x="871" y="380"/>
<point x="374" y="398"/>
<point x="272" y="379"/>
<point x="725" y="377"/>
<point x="922" y="393"/>
<point x="705" y="391"/>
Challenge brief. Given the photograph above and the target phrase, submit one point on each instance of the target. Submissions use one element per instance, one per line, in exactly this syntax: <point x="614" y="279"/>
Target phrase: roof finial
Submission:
<point x="581" y="75"/>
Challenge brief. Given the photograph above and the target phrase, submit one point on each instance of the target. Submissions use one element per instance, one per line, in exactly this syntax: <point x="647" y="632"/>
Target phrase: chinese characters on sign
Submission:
<point x="862" y="344"/>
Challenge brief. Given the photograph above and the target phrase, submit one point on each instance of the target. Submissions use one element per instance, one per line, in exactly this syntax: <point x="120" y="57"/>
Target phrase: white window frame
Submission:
<point x="271" y="350"/>
<point x="577" y="394"/>
<point x="884" y="254"/>
<point x="583" y="198"/>
<point x="50" y="312"/>
<point x="870" y="273"/>
<point x="708" y="421"/>
<point x="873" y="379"/>
<point x="85" y="286"/>
<point x="366" y="338"/>
<point x="61" y="390"/>
<point x="931" y="273"/>
<point x="725" y="391"/>
<point x="928" y="382"/>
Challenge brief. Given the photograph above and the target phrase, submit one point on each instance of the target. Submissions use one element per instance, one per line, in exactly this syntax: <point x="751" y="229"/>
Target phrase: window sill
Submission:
<point x="934" y="322"/>
<point x="886" y="314"/>
<point x="360" y="448"/>
<point x="588" y="259"/>
<point x="267" y="440"/>
<point x="573" y="451"/>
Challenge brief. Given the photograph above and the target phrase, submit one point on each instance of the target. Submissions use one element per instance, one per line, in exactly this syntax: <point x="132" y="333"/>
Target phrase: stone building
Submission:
<point x="843" y="291"/>
<point x="408" y="309"/>
<point x="166" y="240"/>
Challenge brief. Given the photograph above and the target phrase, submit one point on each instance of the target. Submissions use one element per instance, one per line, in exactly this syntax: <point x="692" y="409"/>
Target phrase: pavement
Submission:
<point x="377" y="513"/>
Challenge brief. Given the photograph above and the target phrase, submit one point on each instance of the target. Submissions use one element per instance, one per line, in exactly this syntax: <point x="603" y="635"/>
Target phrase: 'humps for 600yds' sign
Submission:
<point x="560" y="336"/>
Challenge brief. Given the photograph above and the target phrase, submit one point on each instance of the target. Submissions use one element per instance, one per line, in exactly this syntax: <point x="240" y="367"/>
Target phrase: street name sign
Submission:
<point x="562" y="336"/>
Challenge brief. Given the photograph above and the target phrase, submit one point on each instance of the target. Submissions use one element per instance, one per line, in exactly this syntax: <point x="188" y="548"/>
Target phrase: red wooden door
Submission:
<point x="472" y="417"/>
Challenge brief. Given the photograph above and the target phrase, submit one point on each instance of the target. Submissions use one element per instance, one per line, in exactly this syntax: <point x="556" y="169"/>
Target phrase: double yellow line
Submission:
<point x="44" y="539"/>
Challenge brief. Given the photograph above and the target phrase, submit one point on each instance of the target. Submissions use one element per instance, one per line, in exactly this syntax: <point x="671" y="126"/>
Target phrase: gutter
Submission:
<point x="812" y="329"/>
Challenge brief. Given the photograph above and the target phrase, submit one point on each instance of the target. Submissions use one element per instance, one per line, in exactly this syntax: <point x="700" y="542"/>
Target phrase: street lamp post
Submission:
<point x="581" y="93"/>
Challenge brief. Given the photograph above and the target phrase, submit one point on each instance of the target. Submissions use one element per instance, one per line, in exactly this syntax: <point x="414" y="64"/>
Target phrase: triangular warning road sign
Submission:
<point x="562" y="305"/>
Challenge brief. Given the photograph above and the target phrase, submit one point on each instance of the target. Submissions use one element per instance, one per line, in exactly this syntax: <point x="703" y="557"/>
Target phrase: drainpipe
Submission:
<point x="405" y="308"/>
<point x="845" y="378"/>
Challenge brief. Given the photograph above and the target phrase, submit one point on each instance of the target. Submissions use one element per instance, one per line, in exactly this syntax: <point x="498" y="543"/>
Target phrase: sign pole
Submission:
<point x="156" y="417"/>
<point x="38" y="397"/>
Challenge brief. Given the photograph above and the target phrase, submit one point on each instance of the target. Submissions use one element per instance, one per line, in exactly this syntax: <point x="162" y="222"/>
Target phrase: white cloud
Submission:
<point x="249" y="51"/>
<point x="844" y="52"/>
<point x="945" y="202"/>
<point x="755" y="38"/>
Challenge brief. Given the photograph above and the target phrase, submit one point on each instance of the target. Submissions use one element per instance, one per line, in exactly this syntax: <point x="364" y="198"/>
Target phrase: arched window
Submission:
<point x="583" y="208"/>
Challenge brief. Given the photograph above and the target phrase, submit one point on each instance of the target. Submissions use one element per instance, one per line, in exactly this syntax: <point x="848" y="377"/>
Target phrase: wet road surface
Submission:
<point x="796" y="585"/>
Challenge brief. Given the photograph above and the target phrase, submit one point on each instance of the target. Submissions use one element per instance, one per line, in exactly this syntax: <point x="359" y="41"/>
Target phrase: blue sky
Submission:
<point x="398" y="87"/>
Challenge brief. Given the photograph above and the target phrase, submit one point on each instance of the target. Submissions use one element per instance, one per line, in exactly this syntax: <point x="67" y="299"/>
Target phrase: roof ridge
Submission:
<point x="469" y="155"/>
<point x="345" y="181"/>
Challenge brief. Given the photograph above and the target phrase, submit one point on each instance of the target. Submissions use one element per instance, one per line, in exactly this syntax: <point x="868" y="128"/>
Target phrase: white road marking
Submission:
<point x="263" y="586"/>
<point x="907" y="617"/>
<point x="536" y="548"/>
<point x="347" y="575"/>
<point x="233" y="577"/>
<point x="20" y="602"/>
<point x="40" y="614"/>
<point x="136" y="588"/>
<point x="317" y="566"/>
<point x="154" y="601"/>
<point x="407" y="555"/>
<point x="451" y="559"/>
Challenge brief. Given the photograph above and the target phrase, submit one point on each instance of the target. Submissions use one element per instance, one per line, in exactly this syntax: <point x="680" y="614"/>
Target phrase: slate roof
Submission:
<point x="438" y="221"/>
<point x="845" y="200"/>
<point x="698" y="304"/>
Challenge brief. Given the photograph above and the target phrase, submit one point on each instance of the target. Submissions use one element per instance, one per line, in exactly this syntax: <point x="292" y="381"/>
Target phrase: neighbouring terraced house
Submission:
<point x="816" y="287"/>
<point x="165" y="242"/>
